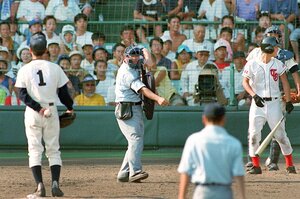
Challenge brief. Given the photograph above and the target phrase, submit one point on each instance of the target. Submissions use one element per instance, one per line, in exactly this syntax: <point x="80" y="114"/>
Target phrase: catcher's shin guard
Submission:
<point x="274" y="153"/>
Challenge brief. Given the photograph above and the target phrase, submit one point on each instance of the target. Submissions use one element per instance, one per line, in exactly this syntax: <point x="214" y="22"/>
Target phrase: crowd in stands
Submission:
<point x="181" y="52"/>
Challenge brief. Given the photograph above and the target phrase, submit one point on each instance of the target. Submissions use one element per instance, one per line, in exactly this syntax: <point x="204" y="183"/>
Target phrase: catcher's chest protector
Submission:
<point x="148" y="104"/>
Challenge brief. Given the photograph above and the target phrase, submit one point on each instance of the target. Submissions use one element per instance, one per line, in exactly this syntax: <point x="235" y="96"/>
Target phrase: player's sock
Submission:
<point x="289" y="160"/>
<point x="55" y="172"/>
<point x="37" y="174"/>
<point x="255" y="161"/>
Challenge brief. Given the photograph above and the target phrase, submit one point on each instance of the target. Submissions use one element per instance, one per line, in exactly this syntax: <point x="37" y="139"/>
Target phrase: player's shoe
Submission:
<point x="272" y="167"/>
<point x="254" y="170"/>
<point x="39" y="192"/>
<point x="291" y="169"/>
<point x="56" y="192"/>
<point x="138" y="176"/>
<point x="123" y="178"/>
<point x="249" y="164"/>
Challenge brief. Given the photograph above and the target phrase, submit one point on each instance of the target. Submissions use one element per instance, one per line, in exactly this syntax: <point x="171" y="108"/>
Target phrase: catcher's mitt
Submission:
<point x="294" y="98"/>
<point x="66" y="119"/>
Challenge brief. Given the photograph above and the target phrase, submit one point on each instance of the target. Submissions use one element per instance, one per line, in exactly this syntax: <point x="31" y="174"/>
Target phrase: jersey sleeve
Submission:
<point x="186" y="165"/>
<point x="63" y="79"/>
<point x="20" y="82"/>
<point x="281" y="68"/>
<point x="247" y="70"/>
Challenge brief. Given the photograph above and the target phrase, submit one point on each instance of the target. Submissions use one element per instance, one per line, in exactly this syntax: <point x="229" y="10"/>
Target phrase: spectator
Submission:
<point x="220" y="49"/>
<point x="53" y="49"/>
<point x="68" y="40"/>
<point x="212" y="10"/>
<point x="24" y="57"/>
<point x="87" y="9"/>
<point x="82" y="35"/>
<point x="163" y="84"/>
<point x="50" y="28"/>
<point x="259" y="35"/>
<point x="251" y="46"/>
<point x="264" y="19"/>
<point x="6" y="83"/>
<point x="156" y="45"/>
<point x="98" y="39"/>
<point x="73" y="84"/>
<point x="75" y="60"/>
<point x="190" y="75"/>
<point x="63" y="10"/>
<point x="88" y="62"/>
<point x="29" y="10"/>
<point x="174" y="32"/>
<point x="8" y="9"/>
<point x="13" y="100"/>
<point x="118" y="54"/>
<point x="167" y="49"/>
<point x="35" y="26"/>
<point x="183" y="57"/>
<point x="205" y="159"/>
<point x="4" y="54"/>
<point x="148" y="10"/>
<point x="238" y="39"/>
<point x="15" y="34"/>
<point x="294" y="38"/>
<point x="226" y="37"/>
<point x="239" y="60"/>
<point x="88" y="97"/>
<point x="198" y="40"/>
<point x="247" y="10"/>
<point x="127" y="35"/>
<point x="7" y="41"/>
<point x="104" y="81"/>
<point x="100" y="53"/>
<point x="282" y="10"/>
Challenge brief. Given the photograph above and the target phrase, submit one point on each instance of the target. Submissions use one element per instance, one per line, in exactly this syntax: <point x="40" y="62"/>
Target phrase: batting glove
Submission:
<point x="259" y="101"/>
<point x="289" y="107"/>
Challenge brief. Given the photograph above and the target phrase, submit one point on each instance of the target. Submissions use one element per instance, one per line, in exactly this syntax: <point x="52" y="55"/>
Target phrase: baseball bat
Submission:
<point x="268" y="139"/>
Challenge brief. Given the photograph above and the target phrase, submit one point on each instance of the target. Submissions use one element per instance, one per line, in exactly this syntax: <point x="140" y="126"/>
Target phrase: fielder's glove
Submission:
<point x="294" y="98"/>
<point x="289" y="107"/>
<point x="66" y="119"/>
<point x="259" y="101"/>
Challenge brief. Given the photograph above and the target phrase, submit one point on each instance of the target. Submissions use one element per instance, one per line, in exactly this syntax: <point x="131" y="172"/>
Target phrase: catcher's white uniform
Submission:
<point x="264" y="81"/>
<point x="42" y="79"/>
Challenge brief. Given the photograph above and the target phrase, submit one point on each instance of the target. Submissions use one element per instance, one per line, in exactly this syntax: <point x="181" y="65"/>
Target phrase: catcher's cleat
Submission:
<point x="272" y="167"/>
<point x="291" y="169"/>
<point x="39" y="192"/>
<point x="56" y="192"/>
<point x="138" y="176"/>
<point x="254" y="170"/>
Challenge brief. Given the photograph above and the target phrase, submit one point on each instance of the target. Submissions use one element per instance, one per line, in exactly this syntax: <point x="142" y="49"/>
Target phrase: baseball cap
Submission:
<point x="238" y="54"/>
<point x="202" y="48"/>
<point x="20" y="49"/>
<point x="149" y="2"/>
<point x="86" y="5"/>
<point x="62" y="57"/>
<point x="218" y="44"/>
<point x="38" y="42"/>
<point x="75" y="52"/>
<point x="88" y="42"/>
<point x="183" y="47"/>
<point x="35" y="21"/>
<point x="68" y="28"/>
<point x="213" y="110"/>
<point x="3" y="49"/>
<point x="53" y="41"/>
<point x="89" y="78"/>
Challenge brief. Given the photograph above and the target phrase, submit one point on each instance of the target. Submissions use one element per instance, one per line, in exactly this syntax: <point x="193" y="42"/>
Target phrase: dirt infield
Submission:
<point x="96" y="178"/>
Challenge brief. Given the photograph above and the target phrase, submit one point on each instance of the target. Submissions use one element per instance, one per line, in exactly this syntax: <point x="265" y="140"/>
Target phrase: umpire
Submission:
<point x="129" y="111"/>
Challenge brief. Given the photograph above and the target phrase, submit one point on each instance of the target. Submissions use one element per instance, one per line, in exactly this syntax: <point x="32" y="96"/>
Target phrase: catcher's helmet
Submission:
<point x="268" y="43"/>
<point x="133" y="50"/>
<point x="273" y="29"/>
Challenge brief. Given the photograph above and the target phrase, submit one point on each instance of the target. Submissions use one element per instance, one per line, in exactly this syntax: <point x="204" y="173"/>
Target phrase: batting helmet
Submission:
<point x="273" y="29"/>
<point x="268" y="43"/>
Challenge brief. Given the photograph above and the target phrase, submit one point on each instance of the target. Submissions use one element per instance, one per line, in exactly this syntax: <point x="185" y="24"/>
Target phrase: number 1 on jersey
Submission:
<point x="40" y="73"/>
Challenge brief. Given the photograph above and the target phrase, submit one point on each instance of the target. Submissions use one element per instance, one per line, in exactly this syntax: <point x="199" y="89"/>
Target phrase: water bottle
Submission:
<point x="101" y="17"/>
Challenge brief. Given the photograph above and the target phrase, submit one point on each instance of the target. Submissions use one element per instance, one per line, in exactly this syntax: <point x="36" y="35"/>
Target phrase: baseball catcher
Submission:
<point x="66" y="119"/>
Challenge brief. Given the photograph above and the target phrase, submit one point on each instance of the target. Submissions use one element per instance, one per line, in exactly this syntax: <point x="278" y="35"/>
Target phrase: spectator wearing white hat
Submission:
<point x="24" y="57"/>
<point x="75" y="60"/>
<point x="53" y="49"/>
<point x="68" y="40"/>
<point x="82" y="35"/>
<point x="87" y="9"/>
<point x="220" y="49"/>
<point x="4" y="53"/>
<point x="88" y="63"/>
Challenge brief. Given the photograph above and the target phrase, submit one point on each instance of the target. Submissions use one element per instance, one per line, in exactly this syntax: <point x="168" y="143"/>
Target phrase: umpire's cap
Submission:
<point x="268" y="43"/>
<point x="133" y="50"/>
<point x="214" y="110"/>
<point x="273" y="29"/>
<point x="38" y="43"/>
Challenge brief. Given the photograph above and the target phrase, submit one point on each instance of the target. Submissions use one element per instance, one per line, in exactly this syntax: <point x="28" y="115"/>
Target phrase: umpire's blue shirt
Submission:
<point x="128" y="83"/>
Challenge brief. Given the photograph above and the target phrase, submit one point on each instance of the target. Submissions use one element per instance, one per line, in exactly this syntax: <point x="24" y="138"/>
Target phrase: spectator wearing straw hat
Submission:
<point x="88" y="97"/>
